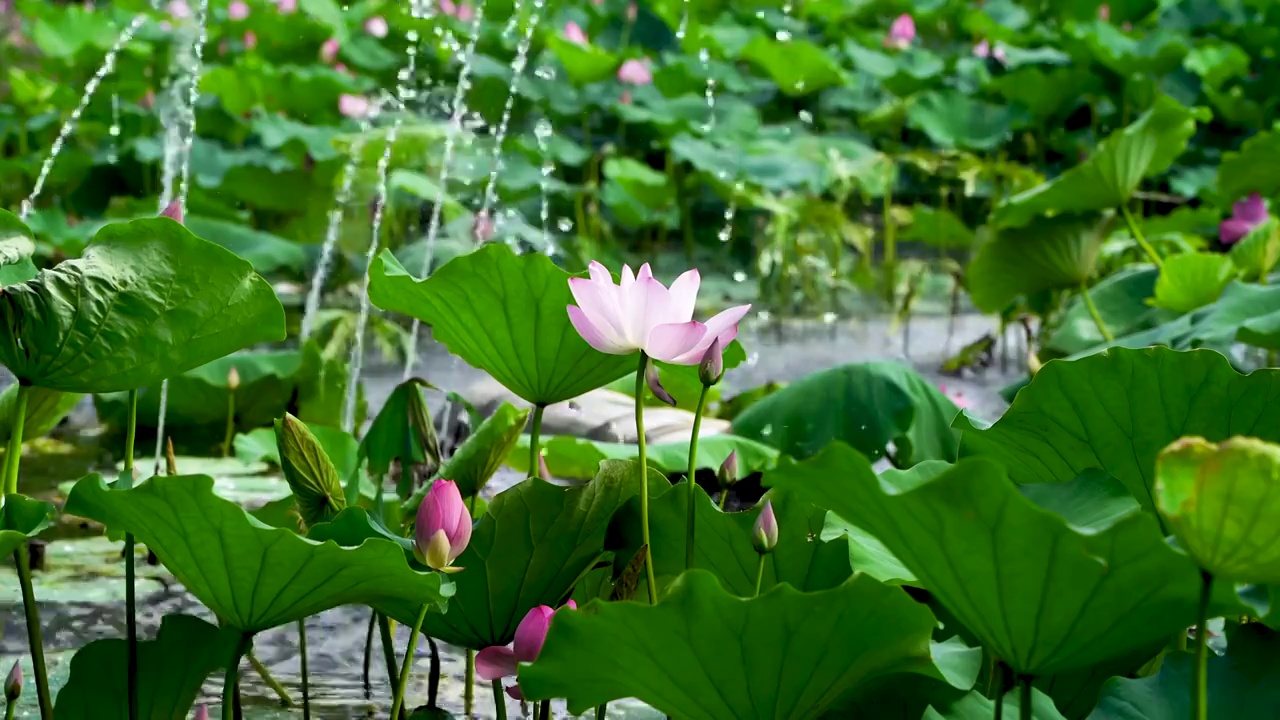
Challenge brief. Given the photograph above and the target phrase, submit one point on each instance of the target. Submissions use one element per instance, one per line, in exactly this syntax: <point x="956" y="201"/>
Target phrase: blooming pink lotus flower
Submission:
<point x="237" y="10"/>
<point x="376" y="26"/>
<point x="443" y="527"/>
<point x="901" y="33"/>
<point x="353" y="106"/>
<point x="329" y="50"/>
<point x="635" y="72"/>
<point x="1246" y="215"/>
<point x="500" y="661"/>
<point x="956" y="397"/>
<point x="642" y="314"/>
<point x="574" y="33"/>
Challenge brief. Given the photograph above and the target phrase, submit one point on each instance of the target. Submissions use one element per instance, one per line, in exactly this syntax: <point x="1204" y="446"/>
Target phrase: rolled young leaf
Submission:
<point x="316" y="486"/>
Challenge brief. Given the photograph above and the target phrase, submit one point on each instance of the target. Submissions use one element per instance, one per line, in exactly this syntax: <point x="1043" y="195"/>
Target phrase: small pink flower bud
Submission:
<point x="173" y="211"/>
<point x="482" y="227"/>
<point x="574" y="33"/>
<point x="202" y="712"/>
<point x="237" y="10"/>
<point x="353" y="106"/>
<point x="376" y="26"/>
<point x="250" y="40"/>
<point x="764" y="537"/>
<point x="287" y="6"/>
<point x="728" y="473"/>
<point x="329" y="50"/>
<point x="711" y="369"/>
<point x="466" y="13"/>
<point x="13" y="683"/>
<point x="655" y="385"/>
<point x="443" y="527"/>
<point x="635" y="72"/>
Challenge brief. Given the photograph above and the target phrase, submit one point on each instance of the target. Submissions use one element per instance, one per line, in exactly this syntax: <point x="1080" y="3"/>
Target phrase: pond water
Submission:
<point x="81" y="587"/>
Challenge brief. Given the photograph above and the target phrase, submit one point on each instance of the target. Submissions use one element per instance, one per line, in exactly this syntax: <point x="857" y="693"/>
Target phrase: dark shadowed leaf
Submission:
<point x="22" y="518"/>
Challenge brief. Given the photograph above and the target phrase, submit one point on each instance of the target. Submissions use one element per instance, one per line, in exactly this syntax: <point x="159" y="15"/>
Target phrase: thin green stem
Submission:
<point x="602" y="710"/>
<point x="535" y="434"/>
<point x="724" y="495"/>
<point x="1200" y="673"/>
<point x="1002" y="687"/>
<point x="469" y="691"/>
<point x="231" y="424"/>
<point x="388" y="648"/>
<point x="286" y="700"/>
<point x="1024" y="698"/>
<point x="690" y="527"/>
<point x="13" y="455"/>
<point x="231" y="681"/>
<point x="9" y="708"/>
<point x="1138" y="236"/>
<point x="890" y="243"/>
<point x="499" y="701"/>
<point x="34" y="635"/>
<point x="130" y="566"/>
<point x="433" y="670"/>
<point x="759" y="575"/>
<point x="409" y="652"/>
<point x="302" y="656"/>
<point x="644" y="480"/>
<point x="1093" y="313"/>
<point x="368" y="654"/>
<point x="546" y="710"/>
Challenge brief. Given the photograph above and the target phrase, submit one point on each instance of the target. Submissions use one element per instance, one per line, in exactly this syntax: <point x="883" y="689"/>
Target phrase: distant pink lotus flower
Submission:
<point x="250" y="40"/>
<point x="448" y="7"/>
<point x="466" y="13"/>
<point x="329" y="50"/>
<point x="499" y="661"/>
<point x="574" y="33"/>
<point x="1104" y="12"/>
<point x="443" y="527"/>
<point x="632" y="12"/>
<point x="180" y="10"/>
<point x="901" y="33"/>
<point x="353" y="106"/>
<point x="287" y="7"/>
<point x="237" y="10"/>
<point x="635" y="72"/>
<point x="956" y="397"/>
<point x="173" y="211"/>
<point x="148" y="100"/>
<point x="1246" y="215"/>
<point x="984" y="50"/>
<point x="642" y="314"/>
<point x="376" y="26"/>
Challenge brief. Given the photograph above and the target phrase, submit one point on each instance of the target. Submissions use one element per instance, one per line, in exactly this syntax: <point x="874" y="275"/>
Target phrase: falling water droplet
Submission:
<point x="739" y="276"/>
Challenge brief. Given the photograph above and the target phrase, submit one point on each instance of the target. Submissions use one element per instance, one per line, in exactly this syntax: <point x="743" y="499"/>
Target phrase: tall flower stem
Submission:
<point x="1200" y="673"/>
<point x="231" y="682"/>
<point x="545" y="714"/>
<point x="469" y="690"/>
<point x="13" y="455"/>
<point x="499" y="701"/>
<point x="409" y="652"/>
<point x="433" y="679"/>
<point x="1093" y="313"/>
<point x="759" y="575"/>
<point x="535" y="434"/>
<point x="1024" y="698"/>
<point x="302" y="656"/>
<point x="644" y="479"/>
<point x="691" y="525"/>
<point x="285" y="698"/>
<point x="1138" y="236"/>
<point x="1002" y="687"/>
<point x="231" y="424"/>
<point x="130" y="562"/>
<point x="9" y="707"/>
<point x="387" y="633"/>
<point x="368" y="653"/>
<point x="724" y="495"/>
<point x="602" y="710"/>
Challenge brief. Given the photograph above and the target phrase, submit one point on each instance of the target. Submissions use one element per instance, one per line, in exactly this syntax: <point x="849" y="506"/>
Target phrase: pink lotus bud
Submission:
<point x="466" y="13"/>
<point x="237" y="10"/>
<point x="173" y="211"/>
<point x="632" y="11"/>
<point x="180" y="10"/>
<point x="544" y="472"/>
<point x="574" y="33"/>
<point x="635" y="72"/>
<point x="655" y="385"/>
<point x="982" y="49"/>
<point x="376" y="26"/>
<point x="287" y="6"/>
<point x="728" y="473"/>
<point x="448" y="7"/>
<point x="353" y="106"/>
<point x="329" y="50"/>
<point x="1104" y="12"/>
<point x="496" y="662"/>
<point x="901" y="33"/>
<point x="202" y="712"/>
<point x="13" y="683"/>
<point x="1246" y="215"/>
<point x="250" y="40"/>
<point x="711" y="369"/>
<point x="764" y="537"/>
<point x="443" y="527"/>
<point x="1000" y="55"/>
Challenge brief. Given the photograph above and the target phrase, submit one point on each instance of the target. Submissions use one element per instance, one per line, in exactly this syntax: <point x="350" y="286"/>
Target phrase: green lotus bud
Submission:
<point x="728" y="473"/>
<point x="311" y="475"/>
<point x="711" y="369"/>
<point x="13" y="683"/>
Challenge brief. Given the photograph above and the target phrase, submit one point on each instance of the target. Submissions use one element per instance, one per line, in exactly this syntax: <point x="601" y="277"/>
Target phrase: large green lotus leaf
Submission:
<point x="1192" y="280"/>
<point x="953" y="119"/>
<point x="480" y="456"/>
<point x="148" y="300"/>
<point x="45" y="410"/>
<point x="1092" y="502"/>
<point x="704" y="653"/>
<point x="1257" y="253"/>
<point x="798" y="67"/>
<point x="16" y="249"/>
<point x="1121" y="300"/>
<point x="1254" y="168"/>
<point x="1049" y="254"/>
<point x="1046" y="92"/>
<point x="571" y="457"/>
<point x="867" y="405"/>
<point x="722" y="544"/>
<point x="504" y="314"/>
<point x="636" y="193"/>
<point x="937" y="227"/>
<point x="21" y="518"/>
<point x="1154" y="51"/>
<point x="252" y="576"/>
<point x="1246" y="312"/>
<point x="1116" y="410"/>
<point x="1042" y="596"/>
<point x="1241" y="684"/>
<point x="976" y="706"/>
<point x="585" y="64"/>
<point x="171" y="670"/>
<point x="1219" y="502"/>
<point x="266" y="252"/>
<point x="1108" y="177"/>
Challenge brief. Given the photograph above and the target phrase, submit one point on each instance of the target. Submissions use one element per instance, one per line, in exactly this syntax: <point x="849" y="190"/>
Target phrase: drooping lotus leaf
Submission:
<point x="792" y="654"/>
<point x="480" y="456"/>
<point x="1219" y="502"/>
<point x="171" y="670"/>
<point x="148" y="300"/>
<point x="867" y="405"/>
<point x="1192" y="280"/>
<point x="953" y="119"/>
<point x="16" y="249"/>
<point x="313" y="479"/>
<point x="252" y="576"/>
<point x="45" y="410"/>
<point x="937" y="227"/>
<point x="21" y="519"/>
<point x="1257" y="253"/>
<point x="1048" y="254"/>
<point x="571" y="457"/>
<point x="1042" y="596"/>
<point x="584" y="63"/>
<point x="1116" y="410"/>
<point x="1241" y="684"/>
<point x="1109" y="177"/>
<point x="504" y="314"/>
<point x="722" y="543"/>
<point x="402" y="431"/>
<point x="798" y="67"/>
<point x="1121" y="300"/>
<point x="976" y="706"/>
<point x="1254" y="168"/>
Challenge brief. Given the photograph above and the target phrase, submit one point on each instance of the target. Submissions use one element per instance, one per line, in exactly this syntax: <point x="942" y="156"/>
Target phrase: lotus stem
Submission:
<point x="130" y="562"/>
<point x="387" y="633"/>
<point x="644" y="479"/>
<point x="724" y="495"/>
<point x="602" y="710"/>
<point x="13" y="456"/>
<point x="1200" y="673"/>
<point x="34" y="635"/>
<point x="1093" y="313"/>
<point x="1024" y="698"/>
<point x="231" y="424"/>
<point x="9" y="707"/>
<point x="368" y="654"/>
<point x="690" y="527"/>
<point x="1138" y="236"/>
<point x="285" y="699"/>
<point x="403" y="681"/>
<point x="499" y="701"/>
<point x="890" y="241"/>
<point x="535" y="433"/>
<point x="546" y="710"/>
<point x="469" y="690"/>
<point x="302" y="654"/>
<point x="433" y="679"/>
<point x="231" y="682"/>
